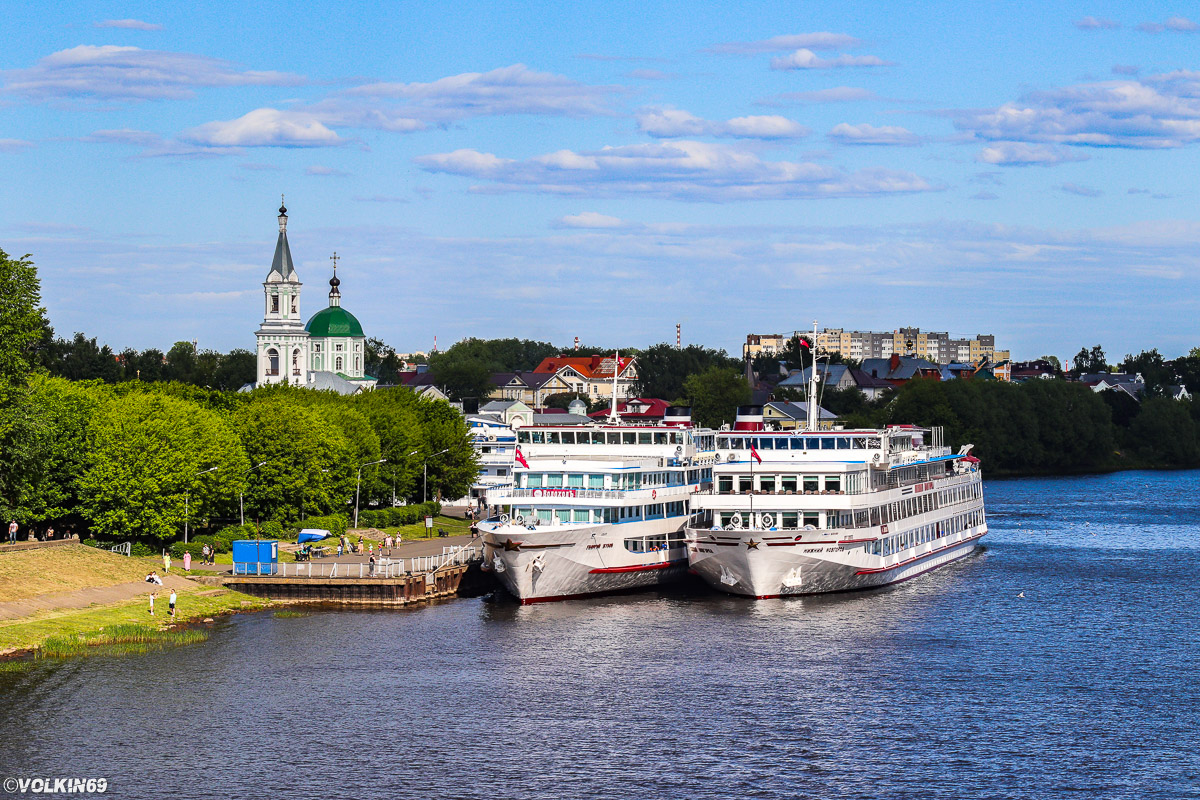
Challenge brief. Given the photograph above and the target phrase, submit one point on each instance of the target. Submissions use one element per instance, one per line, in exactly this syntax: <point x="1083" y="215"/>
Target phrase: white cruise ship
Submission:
<point x="809" y="511"/>
<point x="596" y="508"/>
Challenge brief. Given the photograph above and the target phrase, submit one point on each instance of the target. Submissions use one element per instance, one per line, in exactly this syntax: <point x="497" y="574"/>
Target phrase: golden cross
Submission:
<point x="334" y="259"/>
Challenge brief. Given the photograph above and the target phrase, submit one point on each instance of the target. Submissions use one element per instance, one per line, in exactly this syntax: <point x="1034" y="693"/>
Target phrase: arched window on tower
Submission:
<point x="295" y="301"/>
<point x="357" y="363"/>
<point x="338" y="364"/>
<point x="295" y="362"/>
<point x="272" y="361"/>
<point x="274" y="304"/>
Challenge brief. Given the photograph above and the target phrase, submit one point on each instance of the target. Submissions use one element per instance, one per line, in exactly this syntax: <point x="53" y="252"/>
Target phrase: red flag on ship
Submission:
<point x="754" y="454"/>
<point x="521" y="459"/>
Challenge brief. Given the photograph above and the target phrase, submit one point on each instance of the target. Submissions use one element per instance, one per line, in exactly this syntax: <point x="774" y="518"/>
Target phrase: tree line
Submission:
<point x="116" y="456"/>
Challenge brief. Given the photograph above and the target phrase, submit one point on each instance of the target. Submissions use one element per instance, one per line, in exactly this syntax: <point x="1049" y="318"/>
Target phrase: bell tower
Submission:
<point x="282" y="340"/>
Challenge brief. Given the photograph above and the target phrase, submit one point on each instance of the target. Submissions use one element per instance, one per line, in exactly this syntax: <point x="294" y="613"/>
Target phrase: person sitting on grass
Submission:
<point x="153" y="578"/>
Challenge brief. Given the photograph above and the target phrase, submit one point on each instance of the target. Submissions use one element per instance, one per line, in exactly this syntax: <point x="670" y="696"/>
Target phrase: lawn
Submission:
<point x="29" y="573"/>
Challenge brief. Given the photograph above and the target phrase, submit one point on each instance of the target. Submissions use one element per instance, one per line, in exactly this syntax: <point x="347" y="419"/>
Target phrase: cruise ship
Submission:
<point x="597" y="507"/>
<point x="810" y="511"/>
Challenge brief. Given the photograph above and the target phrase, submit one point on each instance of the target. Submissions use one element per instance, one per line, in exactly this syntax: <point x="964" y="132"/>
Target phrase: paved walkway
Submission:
<point x="82" y="598"/>
<point x="409" y="549"/>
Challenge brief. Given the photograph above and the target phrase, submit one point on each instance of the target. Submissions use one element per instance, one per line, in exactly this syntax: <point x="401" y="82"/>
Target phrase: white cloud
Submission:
<point x="264" y="127"/>
<point x="128" y="24"/>
<point x="681" y="169"/>
<point x="123" y="136"/>
<point x="14" y="145"/>
<point x="590" y="219"/>
<point x="870" y="134"/>
<point x="1096" y="24"/>
<point x="837" y="94"/>
<point x="1159" y="111"/>
<point x="666" y="123"/>
<point x="1025" y="154"/>
<point x="317" y="169"/>
<point x="1175" y="24"/>
<point x="1082" y="191"/>
<point x="807" y="59"/>
<point x="109" y="72"/>
<point x="515" y="89"/>
<point x="813" y="41"/>
<point x="651" y="75"/>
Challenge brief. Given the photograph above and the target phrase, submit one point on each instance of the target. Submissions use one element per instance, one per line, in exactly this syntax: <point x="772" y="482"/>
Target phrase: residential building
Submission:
<point x="838" y="376"/>
<point x="936" y="346"/>
<point x="789" y="416"/>
<point x="768" y="344"/>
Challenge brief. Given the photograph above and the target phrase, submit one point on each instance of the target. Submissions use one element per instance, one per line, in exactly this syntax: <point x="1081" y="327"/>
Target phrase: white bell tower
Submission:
<point x="282" y="339"/>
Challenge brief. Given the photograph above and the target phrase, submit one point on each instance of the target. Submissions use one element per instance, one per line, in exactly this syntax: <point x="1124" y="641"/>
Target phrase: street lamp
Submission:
<point x="242" y="493"/>
<point x="358" y="485"/>
<point x="187" y="497"/>
<point x="425" y="470"/>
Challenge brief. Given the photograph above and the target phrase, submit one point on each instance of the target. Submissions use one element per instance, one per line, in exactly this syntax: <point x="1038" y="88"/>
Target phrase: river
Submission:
<point x="949" y="686"/>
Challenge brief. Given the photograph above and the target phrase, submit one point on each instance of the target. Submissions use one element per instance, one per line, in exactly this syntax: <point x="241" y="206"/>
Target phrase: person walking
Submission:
<point x="166" y="561"/>
<point x="50" y="533"/>
<point x="12" y="532"/>
<point x="171" y="603"/>
<point x="187" y="560"/>
<point x="204" y="554"/>
<point x="152" y="596"/>
<point x="371" y="572"/>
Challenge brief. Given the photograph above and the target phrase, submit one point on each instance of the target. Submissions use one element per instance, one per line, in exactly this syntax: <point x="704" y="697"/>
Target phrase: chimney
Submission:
<point x="679" y="416"/>
<point x="749" y="418"/>
<point x="595" y="362"/>
<point x="893" y="362"/>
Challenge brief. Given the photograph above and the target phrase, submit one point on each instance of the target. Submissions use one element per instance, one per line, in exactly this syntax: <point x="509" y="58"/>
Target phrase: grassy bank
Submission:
<point x="118" y="617"/>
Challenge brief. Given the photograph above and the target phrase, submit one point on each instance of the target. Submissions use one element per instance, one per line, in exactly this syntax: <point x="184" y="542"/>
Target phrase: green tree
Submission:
<point x="1153" y="368"/>
<point x="463" y="378"/>
<point x="1052" y="361"/>
<point x="144" y="453"/>
<point x="663" y="368"/>
<point x="1165" y="433"/>
<point x="397" y="421"/>
<point x="381" y="362"/>
<point x="1090" y="361"/>
<point x="715" y="394"/>
<point x="307" y="467"/>
<point x="22" y="323"/>
<point x="237" y="368"/>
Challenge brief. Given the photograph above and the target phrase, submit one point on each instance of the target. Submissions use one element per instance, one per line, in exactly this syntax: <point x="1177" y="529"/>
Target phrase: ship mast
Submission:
<point x="612" y="411"/>
<point x="812" y="382"/>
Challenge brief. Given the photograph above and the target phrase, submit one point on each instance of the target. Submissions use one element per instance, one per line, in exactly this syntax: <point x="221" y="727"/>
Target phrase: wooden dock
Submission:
<point x="371" y="591"/>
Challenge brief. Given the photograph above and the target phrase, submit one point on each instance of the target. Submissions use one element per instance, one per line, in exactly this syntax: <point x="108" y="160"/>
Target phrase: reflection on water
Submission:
<point x="950" y="685"/>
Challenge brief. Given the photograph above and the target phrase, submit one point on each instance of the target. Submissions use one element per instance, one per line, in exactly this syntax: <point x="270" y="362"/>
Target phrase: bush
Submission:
<point x="226" y="536"/>
<point x="271" y="530"/>
<point x="179" y="548"/>
<point x="142" y="550"/>
<point x="91" y="542"/>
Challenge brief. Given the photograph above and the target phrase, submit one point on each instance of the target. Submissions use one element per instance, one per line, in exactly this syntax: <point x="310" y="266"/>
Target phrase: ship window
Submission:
<point x="722" y="442"/>
<point x="595" y="481"/>
<point x="628" y="437"/>
<point x="812" y="518"/>
<point x="523" y="437"/>
<point x="554" y="479"/>
<point x="745" y="483"/>
<point x="766" y="444"/>
<point x="736" y="443"/>
<point x="812" y="483"/>
<point x="597" y="437"/>
<point x="534" y="480"/>
<point x="552" y="438"/>
<point x="797" y="443"/>
<point x="827" y="444"/>
<point x="766" y="483"/>
<point x="539" y="437"/>
<point x="858" y="443"/>
<point x="812" y="443"/>
<point x="788" y="483"/>
<point x="725" y="483"/>
<point x="660" y="438"/>
<point x="833" y="483"/>
<point x="788" y="519"/>
<point x="568" y="437"/>
<point x="575" y="481"/>
<point x="544" y="514"/>
<point x="843" y="443"/>
<point x="581" y="515"/>
<point x="644" y="437"/>
<point x="563" y="514"/>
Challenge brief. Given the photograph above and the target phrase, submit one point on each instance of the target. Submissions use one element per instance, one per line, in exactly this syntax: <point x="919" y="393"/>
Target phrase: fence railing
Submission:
<point x="383" y="568"/>
<point x="124" y="548"/>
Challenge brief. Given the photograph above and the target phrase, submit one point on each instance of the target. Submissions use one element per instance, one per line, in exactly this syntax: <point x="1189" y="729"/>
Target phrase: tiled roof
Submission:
<point x="590" y="367"/>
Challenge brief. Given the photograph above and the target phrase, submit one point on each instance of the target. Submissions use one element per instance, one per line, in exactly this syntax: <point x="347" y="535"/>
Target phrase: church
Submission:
<point x="327" y="352"/>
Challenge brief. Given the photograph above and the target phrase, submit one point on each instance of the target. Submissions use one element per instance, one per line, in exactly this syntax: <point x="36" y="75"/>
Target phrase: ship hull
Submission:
<point x="748" y="565"/>
<point x="553" y="563"/>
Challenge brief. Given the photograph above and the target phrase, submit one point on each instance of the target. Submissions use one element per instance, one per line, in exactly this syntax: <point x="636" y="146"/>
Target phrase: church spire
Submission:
<point x="335" y="296"/>
<point x="282" y="263"/>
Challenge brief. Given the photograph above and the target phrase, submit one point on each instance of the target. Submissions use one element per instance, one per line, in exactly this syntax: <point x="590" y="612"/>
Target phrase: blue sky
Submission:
<point x="552" y="170"/>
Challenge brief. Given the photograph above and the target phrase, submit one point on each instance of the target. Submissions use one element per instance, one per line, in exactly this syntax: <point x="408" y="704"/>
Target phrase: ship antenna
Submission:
<point x="612" y="411"/>
<point x="812" y="382"/>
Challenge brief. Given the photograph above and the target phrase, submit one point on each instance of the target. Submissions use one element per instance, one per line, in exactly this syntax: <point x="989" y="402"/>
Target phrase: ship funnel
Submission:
<point x="749" y="418"/>
<point x="678" y="415"/>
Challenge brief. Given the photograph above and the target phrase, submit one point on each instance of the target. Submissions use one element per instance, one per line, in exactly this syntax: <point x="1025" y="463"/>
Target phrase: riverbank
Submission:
<point x="75" y="590"/>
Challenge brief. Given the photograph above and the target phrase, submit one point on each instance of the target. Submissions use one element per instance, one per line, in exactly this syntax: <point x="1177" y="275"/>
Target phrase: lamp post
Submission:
<point x="242" y="493"/>
<point x="425" y="470"/>
<point x="187" y="498"/>
<point x="358" y="485"/>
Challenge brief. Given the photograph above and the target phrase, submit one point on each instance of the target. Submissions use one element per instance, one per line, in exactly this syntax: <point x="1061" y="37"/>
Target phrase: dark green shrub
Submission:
<point x="141" y="550"/>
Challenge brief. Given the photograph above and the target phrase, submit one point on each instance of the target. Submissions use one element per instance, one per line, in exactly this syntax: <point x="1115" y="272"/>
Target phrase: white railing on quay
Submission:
<point x="383" y="568"/>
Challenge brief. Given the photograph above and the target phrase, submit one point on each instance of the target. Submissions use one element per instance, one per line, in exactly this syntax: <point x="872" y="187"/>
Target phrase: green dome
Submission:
<point x="333" y="321"/>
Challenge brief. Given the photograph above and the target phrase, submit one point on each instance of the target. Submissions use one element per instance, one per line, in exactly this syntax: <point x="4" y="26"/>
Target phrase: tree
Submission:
<point x="1164" y="433"/>
<point x="452" y="472"/>
<point x="715" y="394"/>
<point x="1155" y="371"/>
<point x="381" y="362"/>
<point x="498" y="355"/>
<point x="22" y="323"/>
<point x="1053" y="362"/>
<point x="663" y="368"/>
<point x="461" y="379"/>
<point x="237" y="368"/>
<point x="1090" y="361"/>
<point x="396" y="420"/>
<point x="144" y="453"/>
<point x="308" y="467"/>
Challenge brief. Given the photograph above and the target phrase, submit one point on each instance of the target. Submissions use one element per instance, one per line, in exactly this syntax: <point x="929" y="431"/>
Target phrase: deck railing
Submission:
<point x="384" y="567"/>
